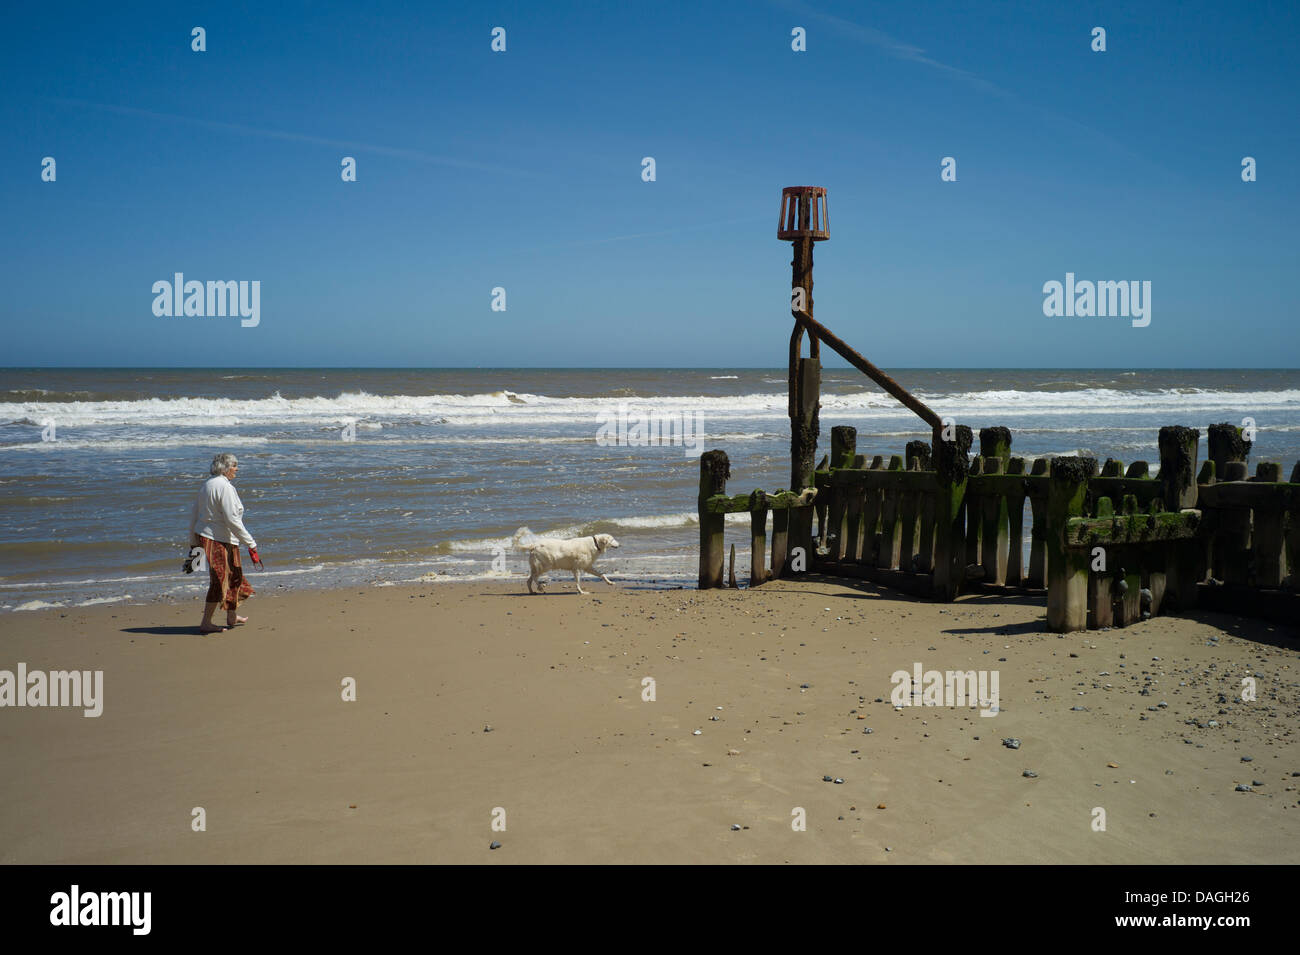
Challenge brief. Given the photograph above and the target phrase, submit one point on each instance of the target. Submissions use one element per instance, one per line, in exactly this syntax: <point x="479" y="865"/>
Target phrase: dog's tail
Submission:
<point x="524" y="539"/>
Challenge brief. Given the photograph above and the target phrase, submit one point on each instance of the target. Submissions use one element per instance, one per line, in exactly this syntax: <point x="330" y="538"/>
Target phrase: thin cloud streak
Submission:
<point x="397" y="153"/>
<point x="915" y="54"/>
<point x="894" y="47"/>
<point x="663" y="232"/>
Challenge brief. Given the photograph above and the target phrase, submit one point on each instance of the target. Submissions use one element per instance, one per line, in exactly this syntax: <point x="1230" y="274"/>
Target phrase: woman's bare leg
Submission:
<point x="207" y="626"/>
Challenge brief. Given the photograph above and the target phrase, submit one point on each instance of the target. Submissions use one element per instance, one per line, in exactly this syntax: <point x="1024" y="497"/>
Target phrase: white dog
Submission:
<point x="576" y="554"/>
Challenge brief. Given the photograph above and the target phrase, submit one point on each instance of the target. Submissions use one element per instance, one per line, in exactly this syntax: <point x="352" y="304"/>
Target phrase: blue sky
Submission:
<point x="522" y="170"/>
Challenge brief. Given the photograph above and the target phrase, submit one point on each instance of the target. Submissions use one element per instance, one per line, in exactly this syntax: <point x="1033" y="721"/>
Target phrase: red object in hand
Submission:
<point x="252" y="552"/>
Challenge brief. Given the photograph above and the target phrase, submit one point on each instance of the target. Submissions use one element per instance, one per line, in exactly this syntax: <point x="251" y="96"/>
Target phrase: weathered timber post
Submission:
<point x="1016" y="527"/>
<point x="920" y="457"/>
<point x="1231" y="527"/>
<point x="780" y="540"/>
<point x="1179" y="449"/>
<point x="844" y="446"/>
<point x="1067" y="569"/>
<point x="1270" y="555"/>
<point x="1131" y="559"/>
<point x="822" y="502"/>
<point x="887" y="552"/>
<point x="1038" y="528"/>
<point x="757" y="538"/>
<point x="1232" y="545"/>
<point x="995" y="446"/>
<point x="872" y="504"/>
<point x="1157" y="567"/>
<point x="952" y="467"/>
<point x="974" y="507"/>
<point x="1101" y="609"/>
<point x="1178" y="452"/>
<point x="804" y="220"/>
<point x="1292" y="532"/>
<point x="996" y="443"/>
<point x="1226" y="443"/>
<point x="714" y="471"/>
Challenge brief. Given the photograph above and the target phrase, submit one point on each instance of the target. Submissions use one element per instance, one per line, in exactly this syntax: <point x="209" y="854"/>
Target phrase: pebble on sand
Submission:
<point x="1011" y="743"/>
<point x="495" y="845"/>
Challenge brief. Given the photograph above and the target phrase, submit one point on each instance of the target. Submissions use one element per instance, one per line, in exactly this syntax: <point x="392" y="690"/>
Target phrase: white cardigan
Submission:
<point x="218" y="514"/>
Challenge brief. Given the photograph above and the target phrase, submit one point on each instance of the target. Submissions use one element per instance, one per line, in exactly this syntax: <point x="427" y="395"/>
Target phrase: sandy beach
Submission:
<point x="782" y="683"/>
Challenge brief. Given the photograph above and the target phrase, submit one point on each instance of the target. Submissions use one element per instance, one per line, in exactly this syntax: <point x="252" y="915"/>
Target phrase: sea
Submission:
<point x="382" y="477"/>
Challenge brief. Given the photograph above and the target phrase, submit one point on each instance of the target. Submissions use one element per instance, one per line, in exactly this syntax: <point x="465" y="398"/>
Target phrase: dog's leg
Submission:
<point x="608" y="581"/>
<point x="577" y="577"/>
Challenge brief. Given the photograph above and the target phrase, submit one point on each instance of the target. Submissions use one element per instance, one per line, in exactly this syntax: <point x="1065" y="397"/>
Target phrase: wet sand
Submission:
<point x="251" y="726"/>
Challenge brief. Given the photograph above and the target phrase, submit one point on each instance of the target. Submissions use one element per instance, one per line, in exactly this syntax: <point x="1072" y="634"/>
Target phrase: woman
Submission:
<point x="217" y="525"/>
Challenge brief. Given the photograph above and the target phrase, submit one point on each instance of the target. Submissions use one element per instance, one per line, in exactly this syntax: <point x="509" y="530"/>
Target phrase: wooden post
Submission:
<point x="1131" y="605"/>
<point x="974" y="509"/>
<point x="780" y="540"/>
<point x="871" y="505"/>
<point x="1100" y="608"/>
<point x="996" y="443"/>
<point x="995" y="446"/>
<point x="1270" y="554"/>
<point x="844" y="446"/>
<point x="908" y="511"/>
<point x="731" y="573"/>
<point x="853" y="523"/>
<point x="1016" y="528"/>
<point x="1131" y="566"/>
<point x="1038" y="529"/>
<point x="1157" y="564"/>
<point x="844" y="443"/>
<point x="1179" y="447"/>
<point x="887" y="553"/>
<point x="1183" y="575"/>
<point x="918" y="456"/>
<point x="917" y="557"/>
<point x="996" y="530"/>
<point x="1292" y="532"/>
<point x="1067" y="569"/>
<point x="714" y="471"/>
<point x="952" y="468"/>
<point x="757" y="538"/>
<point x="1232" y="543"/>
<point x="924" y="562"/>
<point x="803" y="446"/>
<point x="1226" y="443"/>
<point x="805" y="373"/>
<point x="1101" y="611"/>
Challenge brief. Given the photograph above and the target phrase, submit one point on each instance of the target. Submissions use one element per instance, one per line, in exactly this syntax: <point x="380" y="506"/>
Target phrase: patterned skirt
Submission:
<point x="226" y="582"/>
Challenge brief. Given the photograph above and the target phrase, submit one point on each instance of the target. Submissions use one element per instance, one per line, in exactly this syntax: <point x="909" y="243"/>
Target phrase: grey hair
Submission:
<point x="222" y="463"/>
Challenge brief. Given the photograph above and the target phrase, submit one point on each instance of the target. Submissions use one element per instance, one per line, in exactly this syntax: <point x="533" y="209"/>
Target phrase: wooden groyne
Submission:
<point x="1108" y="545"/>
